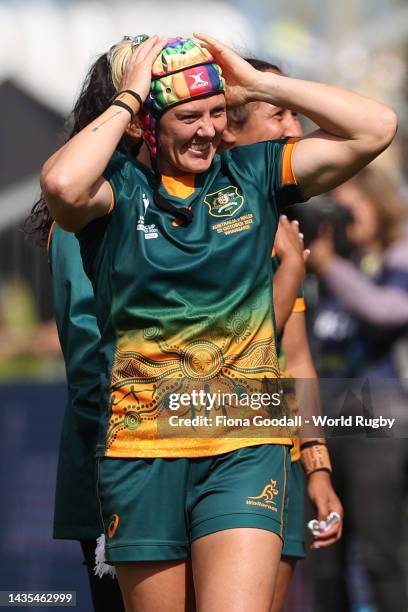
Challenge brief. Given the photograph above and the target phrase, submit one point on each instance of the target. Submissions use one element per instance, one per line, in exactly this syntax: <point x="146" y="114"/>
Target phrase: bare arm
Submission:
<point x="299" y="364"/>
<point x="377" y="304"/>
<point x="71" y="180"/>
<point x="288" y="247"/>
<point x="387" y="306"/>
<point x="295" y="344"/>
<point x="286" y="283"/>
<point x="353" y="129"/>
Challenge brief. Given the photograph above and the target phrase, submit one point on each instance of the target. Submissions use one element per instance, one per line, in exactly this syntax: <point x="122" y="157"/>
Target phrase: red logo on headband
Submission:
<point x="198" y="80"/>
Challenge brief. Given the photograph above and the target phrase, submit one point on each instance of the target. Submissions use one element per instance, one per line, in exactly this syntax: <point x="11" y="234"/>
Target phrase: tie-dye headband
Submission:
<point x="183" y="71"/>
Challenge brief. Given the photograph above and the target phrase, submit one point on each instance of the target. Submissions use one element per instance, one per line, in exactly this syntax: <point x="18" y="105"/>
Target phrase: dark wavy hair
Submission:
<point x="95" y="97"/>
<point x="239" y="115"/>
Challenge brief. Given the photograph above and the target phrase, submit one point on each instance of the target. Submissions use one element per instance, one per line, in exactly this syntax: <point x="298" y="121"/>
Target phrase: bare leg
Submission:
<point x="235" y="570"/>
<point x="285" y="573"/>
<point x="156" y="585"/>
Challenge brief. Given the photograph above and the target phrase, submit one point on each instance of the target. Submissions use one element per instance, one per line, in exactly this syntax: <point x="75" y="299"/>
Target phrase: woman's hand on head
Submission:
<point x="240" y="77"/>
<point x="137" y="75"/>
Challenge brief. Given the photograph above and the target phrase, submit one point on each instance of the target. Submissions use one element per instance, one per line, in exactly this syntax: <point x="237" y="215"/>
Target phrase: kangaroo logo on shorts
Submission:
<point x="225" y="202"/>
<point x="113" y="525"/>
<point x="266" y="498"/>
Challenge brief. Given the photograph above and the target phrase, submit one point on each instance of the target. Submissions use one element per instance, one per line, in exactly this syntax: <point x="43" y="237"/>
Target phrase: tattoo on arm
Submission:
<point x="95" y="129"/>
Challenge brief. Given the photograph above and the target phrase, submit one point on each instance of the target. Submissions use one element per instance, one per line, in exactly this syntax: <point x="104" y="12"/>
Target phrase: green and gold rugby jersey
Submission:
<point x="182" y="307"/>
<point x="76" y="514"/>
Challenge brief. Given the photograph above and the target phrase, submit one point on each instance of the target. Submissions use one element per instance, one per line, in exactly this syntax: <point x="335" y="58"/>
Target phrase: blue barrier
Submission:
<point x="30" y="423"/>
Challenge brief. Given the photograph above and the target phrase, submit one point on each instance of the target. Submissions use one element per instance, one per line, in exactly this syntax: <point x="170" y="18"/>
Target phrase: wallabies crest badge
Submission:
<point x="225" y="202"/>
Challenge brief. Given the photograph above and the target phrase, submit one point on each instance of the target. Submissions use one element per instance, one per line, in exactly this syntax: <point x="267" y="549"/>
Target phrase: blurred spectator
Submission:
<point x="364" y="313"/>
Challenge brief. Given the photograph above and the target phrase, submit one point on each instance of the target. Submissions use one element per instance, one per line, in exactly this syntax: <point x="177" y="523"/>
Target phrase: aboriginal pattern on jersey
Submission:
<point x="235" y="355"/>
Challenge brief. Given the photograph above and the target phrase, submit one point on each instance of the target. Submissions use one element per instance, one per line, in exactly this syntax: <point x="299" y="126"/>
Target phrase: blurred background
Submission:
<point x="357" y="301"/>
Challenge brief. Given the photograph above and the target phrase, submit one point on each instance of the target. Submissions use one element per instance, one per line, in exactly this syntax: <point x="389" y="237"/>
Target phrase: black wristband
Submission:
<point x="125" y="106"/>
<point x="312" y="443"/>
<point x="134" y="94"/>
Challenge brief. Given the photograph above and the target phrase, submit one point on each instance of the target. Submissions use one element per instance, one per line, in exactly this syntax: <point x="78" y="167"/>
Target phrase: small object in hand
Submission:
<point x="317" y="528"/>
<point x="314" y="527"/>
<point x="332" y="519"/>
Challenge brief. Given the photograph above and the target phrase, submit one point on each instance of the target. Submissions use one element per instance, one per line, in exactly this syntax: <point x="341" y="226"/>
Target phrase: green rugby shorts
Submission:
<point x="153" y="509"/>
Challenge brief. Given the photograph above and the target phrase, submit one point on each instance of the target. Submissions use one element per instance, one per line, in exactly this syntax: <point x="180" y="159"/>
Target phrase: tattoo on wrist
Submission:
<point x="95" y="129"/>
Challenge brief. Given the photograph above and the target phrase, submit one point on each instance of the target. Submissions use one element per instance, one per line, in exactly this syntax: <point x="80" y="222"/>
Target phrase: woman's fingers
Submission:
<point x="137" y="74"/>
<point x="141" y="51"/>
<point x="156" y="49"/>
<point x="220" y="51"/>
<point x="240" y="77"/>
<point x="149" y="49"/>
<point x="329" y="533"/>
<point x="209" y="41"/>
<point x="328" y="537"/>
<point x="324" y="544"/>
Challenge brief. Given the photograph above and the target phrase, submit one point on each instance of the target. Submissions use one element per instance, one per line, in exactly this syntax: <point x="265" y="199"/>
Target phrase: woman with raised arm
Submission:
<point x="178" y="255"/>
<point x="76" y="510"/>
<point x="247" y="124"/>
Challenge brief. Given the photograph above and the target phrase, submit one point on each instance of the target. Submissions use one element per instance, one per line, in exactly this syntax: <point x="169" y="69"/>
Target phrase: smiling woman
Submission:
<point x="177" y="245"/>
<point x="190" y="135"/>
